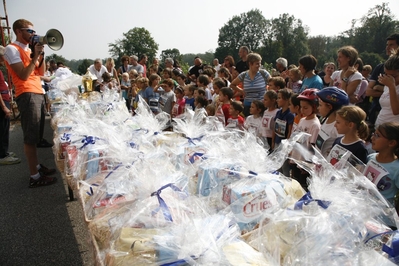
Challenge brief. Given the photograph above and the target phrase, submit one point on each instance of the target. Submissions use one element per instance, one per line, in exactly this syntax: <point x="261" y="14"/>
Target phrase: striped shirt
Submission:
<point x="256" y="88"/>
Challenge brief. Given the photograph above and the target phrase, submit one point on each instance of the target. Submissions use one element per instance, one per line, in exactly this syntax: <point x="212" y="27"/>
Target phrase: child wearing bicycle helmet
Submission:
<point x="331" y="99"/>
<point x="310" y="124"/>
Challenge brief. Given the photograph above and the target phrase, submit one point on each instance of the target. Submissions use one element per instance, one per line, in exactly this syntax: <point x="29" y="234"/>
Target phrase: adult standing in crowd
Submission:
<point x="229" y="63"/>
<point x="125" y="67"/>
<point x="143" y="62"/>
<point x="375" y="89"/>
<point x="135" y="65"/>
<point x="254" y="81"/>
<point x="25" y="72"/>
<point x="197" y="69"/>
<point x="5" y="113"/>
<point x="110" y="65"/>
<point x="307" y="65"/>
<point x="347" y="78"/>
<point x="97" y="69"/>
<point x="242" y="65"/>
<point x="389" y="99"/>
<point x="216" y="64"/>
<point x="281" y="66"/>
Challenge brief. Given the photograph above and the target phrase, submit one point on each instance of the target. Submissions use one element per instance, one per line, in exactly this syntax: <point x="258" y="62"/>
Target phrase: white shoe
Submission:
<point x="9" y="160"/>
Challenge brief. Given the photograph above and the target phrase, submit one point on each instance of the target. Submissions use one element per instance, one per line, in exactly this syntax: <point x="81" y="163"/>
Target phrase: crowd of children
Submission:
<point x="291" y="104"/>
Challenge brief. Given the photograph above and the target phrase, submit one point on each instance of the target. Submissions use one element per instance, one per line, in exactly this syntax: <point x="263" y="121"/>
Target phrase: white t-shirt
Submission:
<point x="311" y="127"/>
<point x="386" y="113"/>
<point x="253" y="125"/>
<point x="327" y="135"/>
<point x="267" y="128"/>
<point x="337" y="81"/>
<point x="98" y="74"/>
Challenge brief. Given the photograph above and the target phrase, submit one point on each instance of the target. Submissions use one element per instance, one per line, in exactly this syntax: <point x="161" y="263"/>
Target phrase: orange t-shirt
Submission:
<point x="32" y="84"/>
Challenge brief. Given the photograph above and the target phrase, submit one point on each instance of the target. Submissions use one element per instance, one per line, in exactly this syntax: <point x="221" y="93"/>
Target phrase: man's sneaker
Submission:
<point x="9" y="160"/>
<point x="44" y="171"/>
<point x="42" y="181"/>
<point x="44" y="144"/>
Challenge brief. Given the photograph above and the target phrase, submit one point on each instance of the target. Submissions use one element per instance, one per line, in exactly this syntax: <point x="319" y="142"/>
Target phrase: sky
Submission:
<point x="89" y="26"/>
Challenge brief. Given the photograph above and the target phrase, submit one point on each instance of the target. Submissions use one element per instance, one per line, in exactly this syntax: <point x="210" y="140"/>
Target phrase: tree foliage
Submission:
<point x="246" y="29"/>
<point x="374" y="28"/>
<point x="287" y="38"/>
<point x="83" y="66"/>
<point x="136" y="41"/>
<point x="172" y="53"/>
<point x="57" y="58"/>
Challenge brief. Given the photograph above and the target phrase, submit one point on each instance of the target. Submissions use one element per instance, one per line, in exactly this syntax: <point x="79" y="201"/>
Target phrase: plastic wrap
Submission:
<point x="201" y="195"/>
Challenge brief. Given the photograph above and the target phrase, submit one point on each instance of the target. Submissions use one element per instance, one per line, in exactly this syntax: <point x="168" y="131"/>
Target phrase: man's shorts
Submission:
<point x="31" y="107"/>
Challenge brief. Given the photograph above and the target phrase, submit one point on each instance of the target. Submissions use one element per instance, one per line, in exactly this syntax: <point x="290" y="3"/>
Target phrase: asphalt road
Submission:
<point x="39" y="226"/>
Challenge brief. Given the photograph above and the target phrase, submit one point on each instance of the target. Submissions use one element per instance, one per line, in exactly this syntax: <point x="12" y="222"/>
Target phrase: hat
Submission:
<point x="2" y="50"/>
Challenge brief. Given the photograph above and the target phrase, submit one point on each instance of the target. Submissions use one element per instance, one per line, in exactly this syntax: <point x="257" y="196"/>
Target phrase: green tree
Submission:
<point x="375" y="27"/>
<point x="84" y="65"/>
<point x="372" y="59"/>
<point x="136" y="41"/>
<point x="172" y="53"/>
<point x="246" y="29"/>
<point x="287" y="38"/>
<point x="57" y="58"/>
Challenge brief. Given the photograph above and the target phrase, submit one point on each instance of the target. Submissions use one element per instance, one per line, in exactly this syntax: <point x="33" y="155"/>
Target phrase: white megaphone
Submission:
<point x="53" y="39"/>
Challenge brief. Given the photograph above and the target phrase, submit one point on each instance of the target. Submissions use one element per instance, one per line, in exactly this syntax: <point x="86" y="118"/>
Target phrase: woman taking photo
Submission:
<point x="389" y="99"/>
<point x="254" y="82"/>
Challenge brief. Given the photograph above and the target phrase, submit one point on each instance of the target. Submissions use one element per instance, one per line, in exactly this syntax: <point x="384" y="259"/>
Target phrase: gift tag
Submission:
<point x="375" y="171"/>
<point x="280" y="127"/>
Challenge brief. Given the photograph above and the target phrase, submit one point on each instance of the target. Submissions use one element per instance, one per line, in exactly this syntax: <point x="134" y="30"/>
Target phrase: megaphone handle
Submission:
<point x="41" y="61"/>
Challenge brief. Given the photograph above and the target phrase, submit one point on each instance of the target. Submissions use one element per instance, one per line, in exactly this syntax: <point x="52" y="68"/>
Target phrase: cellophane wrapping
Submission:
<point x="201" y="195"/>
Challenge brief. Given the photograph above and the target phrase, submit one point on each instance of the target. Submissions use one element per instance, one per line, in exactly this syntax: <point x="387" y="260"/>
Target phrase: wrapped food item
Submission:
<point x="250" y="198"/>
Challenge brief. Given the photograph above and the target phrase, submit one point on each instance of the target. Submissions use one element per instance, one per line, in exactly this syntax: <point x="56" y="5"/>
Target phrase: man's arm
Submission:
<point x="374" y="90"/>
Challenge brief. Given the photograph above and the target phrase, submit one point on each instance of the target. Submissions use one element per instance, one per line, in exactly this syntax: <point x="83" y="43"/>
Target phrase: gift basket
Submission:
<point x="201" y="195"/>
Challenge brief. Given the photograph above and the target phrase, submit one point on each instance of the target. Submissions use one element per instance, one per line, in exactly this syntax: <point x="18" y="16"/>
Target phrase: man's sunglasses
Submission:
<point x="30" y="31"/>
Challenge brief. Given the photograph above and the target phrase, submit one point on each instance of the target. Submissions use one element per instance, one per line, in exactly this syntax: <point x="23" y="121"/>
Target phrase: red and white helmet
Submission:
<point x="309" y="95"/>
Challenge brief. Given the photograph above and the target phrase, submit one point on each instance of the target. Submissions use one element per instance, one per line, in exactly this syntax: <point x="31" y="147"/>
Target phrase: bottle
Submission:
<point x="87" y="82"/>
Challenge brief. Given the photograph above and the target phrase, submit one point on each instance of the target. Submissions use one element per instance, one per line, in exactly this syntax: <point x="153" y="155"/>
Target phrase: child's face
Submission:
<point x="281" y="102"/>
<point x="215" y="89"/>
<point x="155" y="82"/>
<point x="379" y="141"/>
<point x="233" y="112"/>
<point x="179" y="80"/>
<point x="272" y="87"/>
<point x="187" y="91"/>
<point x="341" y="125"/>
<point x="166" y="87"/>
<point x="292" y="76"/>
<point x="165" y="75"/>
<point x="178" y="94"/>
<point x="254" y="110"/>
<point x="268" y="102"/>
<point x="222" y="97"/>
<point x="234" y="74"/>
<point x="125" y="77"/>
<point x="196" y="94"/>
<point x="306" y="108"/>
<point x="294" y="109"/>
<point x="324" y="108"/>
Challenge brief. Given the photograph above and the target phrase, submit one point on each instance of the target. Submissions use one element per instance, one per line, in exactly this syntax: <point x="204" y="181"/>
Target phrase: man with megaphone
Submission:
<point x="25" y="73"/>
